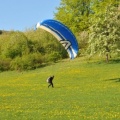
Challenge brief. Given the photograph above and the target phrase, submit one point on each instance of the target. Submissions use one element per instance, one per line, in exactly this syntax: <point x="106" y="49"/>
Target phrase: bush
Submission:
<point x="16" y="46"/>
<point x="27" y="62"/>
<point x="4" y="64"/>
<point x="54" y="56"/>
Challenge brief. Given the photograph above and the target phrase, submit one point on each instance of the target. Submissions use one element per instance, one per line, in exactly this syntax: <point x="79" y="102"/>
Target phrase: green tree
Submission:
<point x="74" y="14"/>
<point x="104" y="37"/>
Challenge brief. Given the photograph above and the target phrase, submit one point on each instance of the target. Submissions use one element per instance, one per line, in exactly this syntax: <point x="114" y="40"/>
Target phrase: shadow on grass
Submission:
<point x="114" y="79"/>
<point x="115" y="61"/>
<point x="111" y="61"/>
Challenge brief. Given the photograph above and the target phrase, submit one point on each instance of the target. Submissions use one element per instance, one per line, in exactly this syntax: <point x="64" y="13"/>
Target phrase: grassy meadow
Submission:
<point x="83" y="90"/>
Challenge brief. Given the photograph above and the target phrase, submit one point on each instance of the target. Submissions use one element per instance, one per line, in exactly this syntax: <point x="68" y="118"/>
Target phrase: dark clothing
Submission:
<point x="49" y="80"/>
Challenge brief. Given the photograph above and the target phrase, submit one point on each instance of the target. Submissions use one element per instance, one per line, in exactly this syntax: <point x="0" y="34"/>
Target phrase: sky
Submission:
<point x="24" y="14"/>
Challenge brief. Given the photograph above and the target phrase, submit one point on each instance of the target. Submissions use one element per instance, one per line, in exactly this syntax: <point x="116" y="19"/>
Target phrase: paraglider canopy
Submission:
<point x="63" y="35"/>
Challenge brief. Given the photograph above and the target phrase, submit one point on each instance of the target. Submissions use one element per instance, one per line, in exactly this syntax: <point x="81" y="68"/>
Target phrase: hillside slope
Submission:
<point x="83" y="90"/>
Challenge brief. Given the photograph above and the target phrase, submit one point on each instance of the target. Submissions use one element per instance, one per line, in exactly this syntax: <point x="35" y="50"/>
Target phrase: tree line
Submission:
<point x="28" y="50"/>
<point x="95" y="23"/>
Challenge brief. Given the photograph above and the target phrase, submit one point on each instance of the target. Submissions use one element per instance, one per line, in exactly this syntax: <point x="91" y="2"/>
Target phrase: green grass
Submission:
<point x="83" y="91"/>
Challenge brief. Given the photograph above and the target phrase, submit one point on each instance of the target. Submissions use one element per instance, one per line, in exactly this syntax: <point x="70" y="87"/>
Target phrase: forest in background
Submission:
<point x="95" y="23"/>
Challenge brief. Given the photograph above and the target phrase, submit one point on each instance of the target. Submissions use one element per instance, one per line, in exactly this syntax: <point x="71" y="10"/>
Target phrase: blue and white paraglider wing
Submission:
<point x="63" y="35"/>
